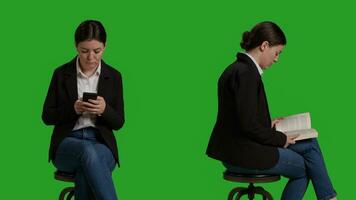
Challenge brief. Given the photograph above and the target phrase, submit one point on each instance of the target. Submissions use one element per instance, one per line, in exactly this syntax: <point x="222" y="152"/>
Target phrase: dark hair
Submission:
<point x="264" y="31"/>
<point x="90" y="30"/>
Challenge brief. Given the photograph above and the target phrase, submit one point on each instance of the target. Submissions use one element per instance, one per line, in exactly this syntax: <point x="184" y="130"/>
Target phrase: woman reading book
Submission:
<point x="244" y="138"/>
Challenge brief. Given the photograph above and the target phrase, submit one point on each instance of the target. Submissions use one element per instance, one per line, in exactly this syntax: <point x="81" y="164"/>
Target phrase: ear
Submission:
<point x="264" y="46"/>
<point x="76" y="47"/>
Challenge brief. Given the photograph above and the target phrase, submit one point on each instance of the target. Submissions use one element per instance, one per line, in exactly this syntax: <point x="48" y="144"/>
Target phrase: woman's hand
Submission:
<point x="290" y="140"/>
<point x="96" y="107"/>
<point x="79" y="106"/>
<point x="276" y="121"/>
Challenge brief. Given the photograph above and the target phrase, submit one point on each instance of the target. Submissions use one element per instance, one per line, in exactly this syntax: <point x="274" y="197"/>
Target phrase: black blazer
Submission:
<point x="58" y="108"/>
<point x="242" y="135"/>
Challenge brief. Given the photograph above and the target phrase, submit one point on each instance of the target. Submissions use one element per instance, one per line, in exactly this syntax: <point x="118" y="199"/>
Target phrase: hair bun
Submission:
<point x="246" y="40"/>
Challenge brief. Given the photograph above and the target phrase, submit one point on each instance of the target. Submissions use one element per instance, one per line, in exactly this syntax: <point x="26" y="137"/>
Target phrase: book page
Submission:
<point x="294" y="122"/>
<point x="303" y="134"/>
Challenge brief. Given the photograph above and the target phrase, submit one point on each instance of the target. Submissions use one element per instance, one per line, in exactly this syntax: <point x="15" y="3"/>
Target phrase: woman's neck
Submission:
<point x="255" y="53"/>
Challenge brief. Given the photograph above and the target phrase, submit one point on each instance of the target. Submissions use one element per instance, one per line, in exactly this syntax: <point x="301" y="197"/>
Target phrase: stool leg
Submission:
<point x="241" y="193"/>
<point x="71" y="194"/>
<point x="251" y="191"/>
<point x="65" y="191"/>
<point x="234" y="191"/>
<point x="266" y="195"/>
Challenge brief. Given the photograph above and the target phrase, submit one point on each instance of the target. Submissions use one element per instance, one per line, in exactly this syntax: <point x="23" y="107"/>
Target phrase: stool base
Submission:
<point x="69" y="191"/>
<point x="250" y="192"/>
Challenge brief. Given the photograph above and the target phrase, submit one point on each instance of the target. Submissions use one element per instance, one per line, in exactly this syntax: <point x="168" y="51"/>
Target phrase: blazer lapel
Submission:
<point x="104" y="81"/>
<point x="265" y="101"/>
<point x="70" y="79"/>
<point x="244" y="58"/>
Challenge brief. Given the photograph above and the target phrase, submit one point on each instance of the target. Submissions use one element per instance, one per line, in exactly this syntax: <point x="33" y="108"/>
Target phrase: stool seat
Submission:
<point x="64" y="176"/>
<point x="250" y="178"/>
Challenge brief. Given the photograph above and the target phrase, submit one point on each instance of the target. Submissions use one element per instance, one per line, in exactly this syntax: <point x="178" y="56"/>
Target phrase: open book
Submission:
<point x="299" y="124"/>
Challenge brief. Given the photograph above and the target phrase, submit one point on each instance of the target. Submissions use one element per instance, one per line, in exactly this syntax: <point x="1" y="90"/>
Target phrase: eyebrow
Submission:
<point x="88" y="49"/>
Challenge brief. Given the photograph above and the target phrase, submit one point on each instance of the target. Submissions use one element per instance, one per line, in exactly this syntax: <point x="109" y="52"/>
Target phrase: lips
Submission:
<point x="91" y="63"/>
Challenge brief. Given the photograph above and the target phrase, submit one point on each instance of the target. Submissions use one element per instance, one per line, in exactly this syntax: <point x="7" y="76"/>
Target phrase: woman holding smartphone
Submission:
<point x="82" y="141"/>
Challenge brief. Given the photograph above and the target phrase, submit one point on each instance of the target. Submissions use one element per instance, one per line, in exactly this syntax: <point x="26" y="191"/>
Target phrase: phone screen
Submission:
<point x="89" y="95"/>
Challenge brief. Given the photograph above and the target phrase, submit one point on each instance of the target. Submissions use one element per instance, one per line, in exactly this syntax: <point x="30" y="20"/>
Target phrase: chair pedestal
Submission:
<point x="251" y="190"/>
<point x="67" y="191"/>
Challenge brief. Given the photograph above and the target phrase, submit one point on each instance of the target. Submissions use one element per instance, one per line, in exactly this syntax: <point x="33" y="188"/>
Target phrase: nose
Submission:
<point x="276" y="59"/>
<point x="90" y="55"/>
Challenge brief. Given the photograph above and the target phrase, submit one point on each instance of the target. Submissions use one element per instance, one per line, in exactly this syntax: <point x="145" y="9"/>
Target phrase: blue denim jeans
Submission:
<point x="300" y="163"/>
<point x="92" y="162"/>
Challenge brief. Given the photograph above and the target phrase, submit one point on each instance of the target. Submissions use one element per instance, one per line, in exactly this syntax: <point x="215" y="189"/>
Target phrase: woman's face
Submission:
<point x="270" y="54"/>
<point x="90" y="53"/>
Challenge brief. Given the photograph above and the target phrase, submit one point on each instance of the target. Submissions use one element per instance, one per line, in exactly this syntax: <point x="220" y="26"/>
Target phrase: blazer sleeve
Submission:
<point x="56" y="111"/>
<point x="246" y="97"/>
<point x="113" y="115"/>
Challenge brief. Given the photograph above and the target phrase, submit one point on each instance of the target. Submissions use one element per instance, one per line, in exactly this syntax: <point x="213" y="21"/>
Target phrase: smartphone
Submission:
<point x="89" y="95"/>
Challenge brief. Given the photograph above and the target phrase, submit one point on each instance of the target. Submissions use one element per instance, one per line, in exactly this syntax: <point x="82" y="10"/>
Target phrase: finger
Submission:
<point x="294" y="136"/>
<point x="94" y="101"/>
<point x="279" y="120"/>
<point x="92" y="110"/>
<point x="78" y="101"/>
<point x="89" y="105"/>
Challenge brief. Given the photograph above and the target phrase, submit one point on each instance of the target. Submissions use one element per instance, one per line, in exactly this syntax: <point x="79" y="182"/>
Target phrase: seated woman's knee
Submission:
<point x="89" y="153"/>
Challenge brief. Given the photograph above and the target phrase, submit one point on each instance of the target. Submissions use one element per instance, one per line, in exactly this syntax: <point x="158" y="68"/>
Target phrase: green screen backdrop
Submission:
<point x="171" y="54"/>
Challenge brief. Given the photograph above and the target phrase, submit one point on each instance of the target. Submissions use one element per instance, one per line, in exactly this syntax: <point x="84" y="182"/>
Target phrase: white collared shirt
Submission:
<point x="257" y="65"/>
<point x="86" y="84"/>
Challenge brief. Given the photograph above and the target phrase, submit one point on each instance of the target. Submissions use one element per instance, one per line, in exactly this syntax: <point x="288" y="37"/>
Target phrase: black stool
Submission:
<point x="251" y="190"/>
<point x="67" y="177"/>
